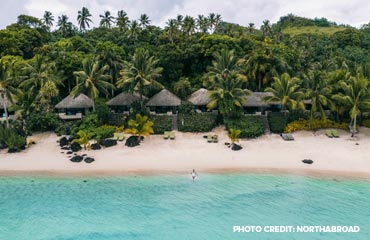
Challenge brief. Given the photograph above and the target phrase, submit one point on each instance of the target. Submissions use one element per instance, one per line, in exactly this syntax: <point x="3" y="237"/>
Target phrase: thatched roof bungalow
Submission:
<point x="255" y="104"/>
<point x="73" y="107"/>
<point x="123" y="101"/>
<point x="164" y="102"/>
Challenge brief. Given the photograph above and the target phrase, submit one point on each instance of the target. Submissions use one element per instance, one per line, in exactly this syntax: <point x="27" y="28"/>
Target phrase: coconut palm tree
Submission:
<point x="122" y="20"/>
<point x="38" y="72"/>
<point x="356" y="96"/>
<point x="318" y="91"/>
<point x="144" y="21"/>
<point x="7" y="89"/>
<point x="84" y="139"/>
<point x="83" y="19"/>
<point x="134" y="30"/>
<point x="48" y="19"/>
<point x="182" y="88"/>
<point x="227" y="94"/>
<point x="140" y="72"/>
<point x="225" y="62"/>
<point x="140" y="126"/>
<point x="203" y="23"/>
<point x="106" y="20"/>
<point x="189" y="25"/>
<point x="46" y="93"/>
<point x="286" y="91"/>
<point x="251" y="28"/>
<point x="171" y="29"/>
<point x="64" y="25"/>
<point x="266" y="28"/>
<point x="92" y="80"/>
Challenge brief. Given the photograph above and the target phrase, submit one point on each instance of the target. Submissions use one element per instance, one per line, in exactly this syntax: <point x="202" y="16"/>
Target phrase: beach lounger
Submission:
<point x="290" y="137"/>
<point x="115" y="136"/>
<point x="121" y="137"/>
<point x="334" y="133"/>
<point x="215" y="138"/>
<point x="172" y="135"/>
<point x="328" y="133"/>
<point x="284" y="137"/>
<point x="166" y="135"/>
<point x="209" y="138"/>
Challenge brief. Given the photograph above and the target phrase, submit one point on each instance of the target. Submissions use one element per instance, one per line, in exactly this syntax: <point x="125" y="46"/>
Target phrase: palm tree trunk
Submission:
<point x="93" y="100"/>
<point x="354" y="126"/>
<point x="6" y="115"/>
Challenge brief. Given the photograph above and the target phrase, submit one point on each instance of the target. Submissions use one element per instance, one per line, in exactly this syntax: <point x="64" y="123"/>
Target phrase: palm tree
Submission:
<point x="356" y="96"/>
<point x="225" y="62"/>
<point x="217" y="22"/>
<point x="83" y="18"/>
<point x="203" y="23"/>
<point x="38" y="72"/>
<point x="92" y="80"/>
<point x="318" y="91"/>
<point x="251" y="28"/>
<point x="134" y="30"/>
<point x="46" y="93"/>
<point x="84" y="139"/>
<point x="7" y="89"/>
<point x="122" y="20"/>
<point x="106" y="20"/>
<point x="234" y="135"/>
<point x="189" y="25"/>
<point x="266" y="28"/>
<point x="171" y="29"/>
<point x="227" y="95"/>
<point x="286" y="91"/>
<point x="48" y="19"/>
<point x="212" y="21"/>
<point x="64" y="25"/>
<point x="182" y="88"/>
<point x="144" y="21"/>
<point x="140" y="126"/>
<point x="140" y="73"/>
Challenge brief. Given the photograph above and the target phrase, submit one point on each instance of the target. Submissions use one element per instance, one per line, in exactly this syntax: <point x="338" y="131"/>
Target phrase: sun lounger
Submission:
<point x="172" y="135"/>
<point x="166" y="135"/>
<point x="115" y="136"/>
<point x="334" y="133"/>
<point x="215" y="138"/>
<point x="209" y="138"/>
<point x="121" y="137"/>
<point x="328" y="133"/>
<point x="290" y="137"/>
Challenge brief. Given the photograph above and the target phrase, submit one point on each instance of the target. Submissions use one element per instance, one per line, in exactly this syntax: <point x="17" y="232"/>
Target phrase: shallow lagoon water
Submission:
<point x="172" y="207"/>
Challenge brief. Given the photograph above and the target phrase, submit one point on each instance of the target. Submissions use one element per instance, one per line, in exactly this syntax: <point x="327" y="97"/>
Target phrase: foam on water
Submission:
<point x="172" y="207"/>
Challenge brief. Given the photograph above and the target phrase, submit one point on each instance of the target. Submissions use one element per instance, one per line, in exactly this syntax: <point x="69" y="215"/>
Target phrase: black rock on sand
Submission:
<point x="307" y="161"/>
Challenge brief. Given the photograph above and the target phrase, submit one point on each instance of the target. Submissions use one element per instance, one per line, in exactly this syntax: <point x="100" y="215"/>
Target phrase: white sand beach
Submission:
<point x="269" y="153"/>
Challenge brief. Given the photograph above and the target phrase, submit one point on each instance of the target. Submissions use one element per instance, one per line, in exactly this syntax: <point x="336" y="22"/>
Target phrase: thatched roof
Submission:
<point x="7" y="103"/>
<point x="256" y="100"/>
<point x="199" y="97"/>
<point x="124" y="99"/>
<point x="164" y="98"/>
<point x="80" y="101"/>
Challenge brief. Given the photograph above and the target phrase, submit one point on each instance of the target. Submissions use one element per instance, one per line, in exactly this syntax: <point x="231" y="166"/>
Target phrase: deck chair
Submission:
<point x="166" y="135"/>
<point x="290" y="137"/>
<point x="121" y="137"/>
<point x="328" y="133"/>
<point x="215" y="138"/>
<point x="209" y="138"/>
<point x="172" y="135"/>
<point x="334" y="133"/>
<point x="115" y="136"/>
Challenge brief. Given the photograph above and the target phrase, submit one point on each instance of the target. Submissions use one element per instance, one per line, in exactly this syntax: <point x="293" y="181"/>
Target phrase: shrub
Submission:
<point x="297" y="115"/>
<point x="200" y="122"/>
<point x="102" y="132"/>
<point x="65" y="128"/>
<point x="366" y="123"/>
<point x="250" y="126"/>
<point x="103" y="112"/>
<point x="186" y="108"/>
<point x="43" y="121"/>
<point x="12" y="140"/>
<point x="316" y="124"/>
<point x="162" y="123"/>
<point x="277" y="122"/>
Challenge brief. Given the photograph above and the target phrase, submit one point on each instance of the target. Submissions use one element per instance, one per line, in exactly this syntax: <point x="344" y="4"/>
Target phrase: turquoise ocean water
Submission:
<point x="172" y="207"/>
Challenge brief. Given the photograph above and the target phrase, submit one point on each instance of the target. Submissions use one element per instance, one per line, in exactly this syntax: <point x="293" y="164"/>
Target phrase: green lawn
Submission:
<point x="293" y="31"/>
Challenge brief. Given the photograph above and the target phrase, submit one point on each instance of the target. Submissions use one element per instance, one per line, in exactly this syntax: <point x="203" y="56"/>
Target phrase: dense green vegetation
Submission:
<point x="162" y="123"/>
<point x="44" y="60"/>
<point x="201" y="122"/>
<point x="249" y="126"/>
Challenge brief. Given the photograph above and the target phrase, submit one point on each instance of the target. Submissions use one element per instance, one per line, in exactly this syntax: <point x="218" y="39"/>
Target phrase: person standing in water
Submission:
<point x="193" y="174"/>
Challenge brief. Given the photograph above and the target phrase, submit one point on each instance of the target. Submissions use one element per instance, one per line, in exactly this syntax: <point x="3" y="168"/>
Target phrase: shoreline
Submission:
<point x="342" y="157"/>
<point x="319" y="174"/>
